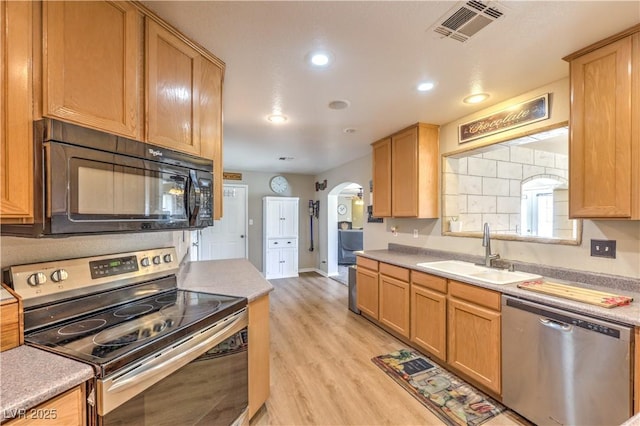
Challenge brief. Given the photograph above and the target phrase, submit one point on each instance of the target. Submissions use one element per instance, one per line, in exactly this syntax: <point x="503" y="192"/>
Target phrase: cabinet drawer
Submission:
<point x="429" y="281"/>
<point x="367" y="263"/>
<point x="283" y="242"/>
<point x="477" y="295"/>
<point x="394" y="271"/>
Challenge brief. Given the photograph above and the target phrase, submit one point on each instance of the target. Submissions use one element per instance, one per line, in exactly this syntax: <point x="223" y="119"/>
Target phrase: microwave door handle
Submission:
<point x="195" y="187"/>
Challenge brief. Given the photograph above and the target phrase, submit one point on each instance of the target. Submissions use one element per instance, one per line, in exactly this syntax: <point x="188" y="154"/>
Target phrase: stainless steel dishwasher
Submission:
<point x="562" y="368"/>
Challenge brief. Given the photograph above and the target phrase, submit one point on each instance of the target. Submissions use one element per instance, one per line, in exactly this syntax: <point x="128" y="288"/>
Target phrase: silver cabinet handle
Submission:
<point x="555" y="324"/>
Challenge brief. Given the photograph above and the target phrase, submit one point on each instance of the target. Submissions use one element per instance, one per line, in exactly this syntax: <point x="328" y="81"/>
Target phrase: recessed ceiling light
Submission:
<point x="425" y="87"/>
<point x="339" y="104"/>
<point x="277" y="118"/>
<point x="476" y="98"/>
<point x="320" y="59"/>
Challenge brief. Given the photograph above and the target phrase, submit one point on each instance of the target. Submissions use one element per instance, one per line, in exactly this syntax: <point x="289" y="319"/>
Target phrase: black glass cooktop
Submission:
<point x="120" y="335"/>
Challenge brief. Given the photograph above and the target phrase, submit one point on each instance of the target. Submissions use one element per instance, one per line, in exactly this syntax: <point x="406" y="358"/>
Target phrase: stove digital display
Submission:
<point x="109" y="267"/>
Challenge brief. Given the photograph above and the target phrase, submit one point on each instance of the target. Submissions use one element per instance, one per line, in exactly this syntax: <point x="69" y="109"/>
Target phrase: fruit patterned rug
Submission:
<point x="452" y="400"/>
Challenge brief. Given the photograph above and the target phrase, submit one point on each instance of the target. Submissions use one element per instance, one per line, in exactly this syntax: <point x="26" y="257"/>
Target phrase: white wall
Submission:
<point x="301" y="186"/>
<point x="627" y="233"/>
<point x="17" y="251"/>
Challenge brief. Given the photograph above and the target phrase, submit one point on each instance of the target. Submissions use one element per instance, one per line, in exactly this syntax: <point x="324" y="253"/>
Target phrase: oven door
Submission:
<point x="96" y="191"/>
<point x="202" y="380"/>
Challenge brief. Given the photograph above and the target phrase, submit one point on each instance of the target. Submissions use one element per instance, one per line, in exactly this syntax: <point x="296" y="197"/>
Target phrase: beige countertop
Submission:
<point x="31" y="376"/>
<point x="629" y="314"/>
<point x="232" y="277"/>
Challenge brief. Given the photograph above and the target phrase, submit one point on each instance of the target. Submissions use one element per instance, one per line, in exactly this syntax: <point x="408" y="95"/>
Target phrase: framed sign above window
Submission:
<point x="528" y="112"/>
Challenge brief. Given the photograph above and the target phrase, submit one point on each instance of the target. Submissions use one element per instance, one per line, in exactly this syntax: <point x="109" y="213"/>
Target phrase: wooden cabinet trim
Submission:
<point x="394" y="271"/>
<point x="259" y="353"/>
<point x="477" y="295"/>
<point x="429" y="281"/>
<point x="602" y="43"/>
<point x="367" y="263"/>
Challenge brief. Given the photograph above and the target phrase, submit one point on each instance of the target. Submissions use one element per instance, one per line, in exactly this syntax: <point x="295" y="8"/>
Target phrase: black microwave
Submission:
<point x="90" y="182"/>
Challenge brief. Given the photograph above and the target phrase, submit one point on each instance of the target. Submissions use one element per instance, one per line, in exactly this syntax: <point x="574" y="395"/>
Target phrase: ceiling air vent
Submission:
<point x="466" y="19"/>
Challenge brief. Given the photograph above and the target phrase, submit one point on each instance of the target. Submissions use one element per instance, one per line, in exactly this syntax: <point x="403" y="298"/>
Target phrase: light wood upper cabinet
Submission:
<point x="429" y="313"/>
<point x="211" y="126"/>
<point x="16" y="112"/>
<point x="604" y="145"/>
<point x="382" y="178"/>
<point x="474" y="334"/>
<point x="413" y="179"/>
<point x="173" y="75"/>
<point x="92" y="60"/>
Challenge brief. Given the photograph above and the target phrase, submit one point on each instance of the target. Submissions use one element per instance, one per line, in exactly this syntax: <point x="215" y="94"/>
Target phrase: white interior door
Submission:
<point x="227" y="238"/>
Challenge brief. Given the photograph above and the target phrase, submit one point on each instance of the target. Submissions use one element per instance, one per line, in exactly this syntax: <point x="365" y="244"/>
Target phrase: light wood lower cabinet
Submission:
<point x="67" y="409"/>
<point x="16" y="112"/>
<point x="394" y="298"/>
<point x="259" y="353"/>
<point x="367" y="296"/>
<point x="474" y="335"/>
<point x="429" y="313"/>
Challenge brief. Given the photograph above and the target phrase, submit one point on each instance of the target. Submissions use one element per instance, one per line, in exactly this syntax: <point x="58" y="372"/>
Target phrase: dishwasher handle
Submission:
<point x="556" y="325"/>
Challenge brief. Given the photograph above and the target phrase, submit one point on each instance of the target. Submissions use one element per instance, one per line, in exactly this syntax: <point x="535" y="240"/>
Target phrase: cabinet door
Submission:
<point x="259" y="377"/>
<point x="272" y="265"/>
<point x="429" y="320"/>
<point x="211" y="127"/>
<point x="16" y="98"/>
<point x="367" y="292"/>
<point x="601" y="137"/>
<point x="394" y="304"/>
<point x="474" y="343"/>
<point x="289" y="214"/>
<point x="289" y="262"/>
<point x="273" y="219"/>
<point x="92" y="56"/>
<point x="382" y="178"/>
<point x="173" y="97"/>
<point x="404" y="173"/>
<point x="69" y="409"/>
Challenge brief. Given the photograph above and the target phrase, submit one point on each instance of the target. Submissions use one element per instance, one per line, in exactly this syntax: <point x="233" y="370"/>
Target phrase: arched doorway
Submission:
<point x="345" y="205"/>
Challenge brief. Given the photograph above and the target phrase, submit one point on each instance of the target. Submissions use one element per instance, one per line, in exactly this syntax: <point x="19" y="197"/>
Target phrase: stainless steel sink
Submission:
<point x="472" y="272"/>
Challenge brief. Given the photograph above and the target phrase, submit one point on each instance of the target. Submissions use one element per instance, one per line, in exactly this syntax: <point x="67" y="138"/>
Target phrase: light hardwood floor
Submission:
<point x="321" y="369"/>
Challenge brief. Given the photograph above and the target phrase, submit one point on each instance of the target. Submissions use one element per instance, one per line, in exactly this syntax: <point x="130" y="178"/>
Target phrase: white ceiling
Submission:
<point x="382" y="50"/>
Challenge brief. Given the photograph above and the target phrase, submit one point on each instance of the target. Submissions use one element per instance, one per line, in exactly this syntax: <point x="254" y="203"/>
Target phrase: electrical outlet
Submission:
<point x="603" y="248"/>
<point x="415" y="233"/>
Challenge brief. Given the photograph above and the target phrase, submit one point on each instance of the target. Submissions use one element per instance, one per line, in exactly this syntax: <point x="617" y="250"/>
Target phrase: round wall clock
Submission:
<point x="279" y="184"/>
<point x="342" y="209"/>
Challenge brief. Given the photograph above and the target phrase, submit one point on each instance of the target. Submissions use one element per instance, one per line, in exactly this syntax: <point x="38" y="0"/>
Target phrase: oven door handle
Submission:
<point x="162" y="365"/>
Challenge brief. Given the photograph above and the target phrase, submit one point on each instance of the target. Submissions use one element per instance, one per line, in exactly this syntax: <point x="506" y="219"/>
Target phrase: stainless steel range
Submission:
<point x="162" y="355"/>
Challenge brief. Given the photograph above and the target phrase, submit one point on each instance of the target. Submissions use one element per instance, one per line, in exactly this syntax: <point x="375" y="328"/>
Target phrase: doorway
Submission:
<point x="345" y="219"/>
<point x="227" y="238"/>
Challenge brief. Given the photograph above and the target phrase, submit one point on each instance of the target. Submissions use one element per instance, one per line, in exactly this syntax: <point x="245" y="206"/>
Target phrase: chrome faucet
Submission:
<point x="486" y="243"/>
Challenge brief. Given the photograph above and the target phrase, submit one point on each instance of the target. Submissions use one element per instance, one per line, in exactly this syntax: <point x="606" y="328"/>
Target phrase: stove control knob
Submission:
<point x="37" y="278"/>
<point x="59" y="275"/>
<point x="168" y="258"/>
<point x="156" y="260"/>
<point x="145" y="261"/>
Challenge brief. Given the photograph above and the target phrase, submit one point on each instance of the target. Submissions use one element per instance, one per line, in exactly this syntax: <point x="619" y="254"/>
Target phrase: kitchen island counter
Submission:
<point x="31" y="376"/>
<point x="231" y="277"/>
